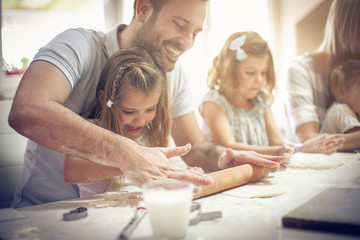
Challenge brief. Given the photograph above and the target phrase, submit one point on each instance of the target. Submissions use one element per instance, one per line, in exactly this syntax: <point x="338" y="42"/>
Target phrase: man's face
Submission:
<point x="173" y="29"/>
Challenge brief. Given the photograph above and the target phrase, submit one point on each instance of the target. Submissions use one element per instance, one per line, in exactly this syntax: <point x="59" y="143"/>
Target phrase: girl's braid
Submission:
<point x="120" y="73"/>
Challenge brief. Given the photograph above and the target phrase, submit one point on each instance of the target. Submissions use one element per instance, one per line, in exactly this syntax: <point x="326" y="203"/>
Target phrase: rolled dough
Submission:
<point x="256" y="190"/>
<point x="314" y="161"/>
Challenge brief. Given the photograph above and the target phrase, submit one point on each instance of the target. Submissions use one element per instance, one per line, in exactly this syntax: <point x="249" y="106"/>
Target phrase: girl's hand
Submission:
<point x="232" y="158"/>
<point x="286" y="150"/>
<point x="325" y="144"/>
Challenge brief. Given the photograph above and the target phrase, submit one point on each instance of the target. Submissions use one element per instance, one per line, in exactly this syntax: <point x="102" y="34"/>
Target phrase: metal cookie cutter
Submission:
<point x="203" y="216"/>
<point x="76" y="214"/>
<point x="195" y="206"/>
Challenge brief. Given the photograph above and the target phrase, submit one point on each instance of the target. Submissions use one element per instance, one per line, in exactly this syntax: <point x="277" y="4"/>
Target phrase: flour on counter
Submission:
<point x="31" y="233"/>
<point x="256" y="190"/>
<point x="118" y="199"/>
<point x="314" y="161"/>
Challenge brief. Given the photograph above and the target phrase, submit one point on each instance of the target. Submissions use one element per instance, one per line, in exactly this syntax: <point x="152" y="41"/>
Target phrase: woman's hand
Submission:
<point x="325" y="144"/>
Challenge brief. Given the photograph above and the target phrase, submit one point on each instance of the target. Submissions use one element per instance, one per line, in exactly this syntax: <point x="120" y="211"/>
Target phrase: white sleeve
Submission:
<point x="180" y="96"/>
<point x="300" y="95"/>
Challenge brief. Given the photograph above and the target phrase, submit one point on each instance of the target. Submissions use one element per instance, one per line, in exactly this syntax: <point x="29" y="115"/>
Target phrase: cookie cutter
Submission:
<point x="76" y="214"/>
<point x="208" y="216"/>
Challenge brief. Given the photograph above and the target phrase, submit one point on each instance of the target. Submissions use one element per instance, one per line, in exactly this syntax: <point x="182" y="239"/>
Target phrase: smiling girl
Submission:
<point x="131" y="100"/>
<point x="237" y="108"/>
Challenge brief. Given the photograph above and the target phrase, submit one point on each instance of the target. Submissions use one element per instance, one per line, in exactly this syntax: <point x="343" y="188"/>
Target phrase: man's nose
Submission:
<point x="187" y="41"/>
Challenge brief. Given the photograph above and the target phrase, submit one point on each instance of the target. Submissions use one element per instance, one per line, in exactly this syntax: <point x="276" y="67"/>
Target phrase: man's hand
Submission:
<point x="232" y="158"/>
<point x="181" y="175"/>
<point x="156" y="166"/>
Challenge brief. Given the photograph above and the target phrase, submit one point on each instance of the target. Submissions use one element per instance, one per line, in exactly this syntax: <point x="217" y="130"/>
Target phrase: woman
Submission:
<point x="308" y="90"/>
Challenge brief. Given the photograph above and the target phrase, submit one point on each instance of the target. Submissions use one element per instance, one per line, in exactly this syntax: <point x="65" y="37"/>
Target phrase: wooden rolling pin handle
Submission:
<point x="233" y="177"/>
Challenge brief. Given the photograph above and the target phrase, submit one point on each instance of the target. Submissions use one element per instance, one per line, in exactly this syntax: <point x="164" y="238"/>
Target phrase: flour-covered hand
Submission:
<point x="232" y="158"/>
<point x="325" y="144"/>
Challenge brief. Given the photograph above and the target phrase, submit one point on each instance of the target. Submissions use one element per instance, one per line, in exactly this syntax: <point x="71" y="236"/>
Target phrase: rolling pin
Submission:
<point x="233" y="177"/>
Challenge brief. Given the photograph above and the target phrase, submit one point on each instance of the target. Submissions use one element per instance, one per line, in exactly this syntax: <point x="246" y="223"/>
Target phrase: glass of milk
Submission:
<point x="168" y="205"/>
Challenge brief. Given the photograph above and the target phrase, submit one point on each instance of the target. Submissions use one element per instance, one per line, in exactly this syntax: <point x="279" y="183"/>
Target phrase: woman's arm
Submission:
<point x="352" y="140"/>
<point x="304" y="99"/>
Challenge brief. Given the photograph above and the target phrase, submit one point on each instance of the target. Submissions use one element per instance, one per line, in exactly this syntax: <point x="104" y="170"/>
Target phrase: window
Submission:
<point x="28" y="25"/>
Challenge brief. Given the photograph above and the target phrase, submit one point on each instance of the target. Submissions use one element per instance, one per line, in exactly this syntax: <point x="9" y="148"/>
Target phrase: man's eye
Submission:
<point x="250" y="73"/>
<point x="178" y="25"/>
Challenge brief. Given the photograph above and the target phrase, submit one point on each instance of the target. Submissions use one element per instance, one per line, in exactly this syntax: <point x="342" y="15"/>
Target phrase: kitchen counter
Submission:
<point x="242" y="218"/>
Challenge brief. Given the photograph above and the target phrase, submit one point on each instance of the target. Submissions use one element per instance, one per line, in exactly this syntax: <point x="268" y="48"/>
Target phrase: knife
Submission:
<point x="129" y="228"/>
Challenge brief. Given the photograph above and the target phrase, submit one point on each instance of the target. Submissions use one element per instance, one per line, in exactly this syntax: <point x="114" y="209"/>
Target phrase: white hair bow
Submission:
<point x="236" y="45"/>
<point x="109" y="103"/>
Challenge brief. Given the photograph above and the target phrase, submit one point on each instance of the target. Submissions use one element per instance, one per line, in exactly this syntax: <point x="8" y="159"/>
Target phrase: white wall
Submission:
<point x="286" y="14"/>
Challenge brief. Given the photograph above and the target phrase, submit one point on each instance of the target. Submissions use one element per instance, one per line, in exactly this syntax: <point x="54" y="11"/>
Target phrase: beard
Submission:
<point x="148" y="37"/>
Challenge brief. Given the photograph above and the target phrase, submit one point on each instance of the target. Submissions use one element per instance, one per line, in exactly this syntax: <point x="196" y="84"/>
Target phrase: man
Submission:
<point x="61" y="82"/>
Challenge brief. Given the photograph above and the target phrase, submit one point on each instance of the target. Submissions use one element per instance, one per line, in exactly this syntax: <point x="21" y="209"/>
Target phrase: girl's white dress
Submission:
<point x="339" y="119"/>
<point x="247" y="127"/>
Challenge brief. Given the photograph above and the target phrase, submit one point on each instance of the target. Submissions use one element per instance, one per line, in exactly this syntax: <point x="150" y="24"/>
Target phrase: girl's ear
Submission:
<point x="143" y="10"/>
<point x="101" y="94"/>
<point x="340" y="93"/>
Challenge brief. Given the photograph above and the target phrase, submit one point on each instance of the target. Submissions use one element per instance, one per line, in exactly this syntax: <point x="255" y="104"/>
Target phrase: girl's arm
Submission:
<point x="307" y="131"/>
<point x="274" y="134"/>
<point x="78" y="170"/>
<point x="221" y="133"/>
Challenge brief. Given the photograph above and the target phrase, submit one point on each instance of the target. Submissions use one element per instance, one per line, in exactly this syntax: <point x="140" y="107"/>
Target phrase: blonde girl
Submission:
<point x="344" y="114"/>
<point x="131" y="100"/>
<point x="237" y="108"/>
